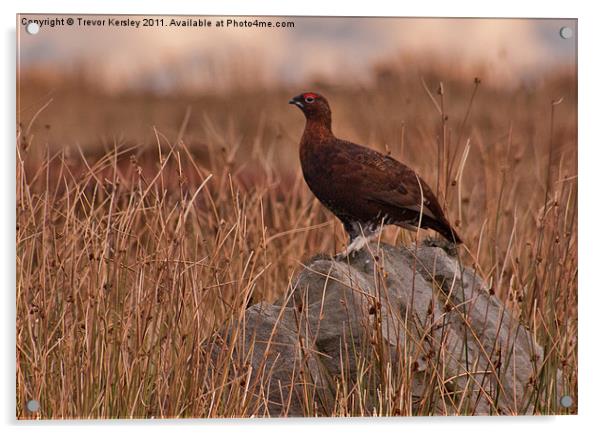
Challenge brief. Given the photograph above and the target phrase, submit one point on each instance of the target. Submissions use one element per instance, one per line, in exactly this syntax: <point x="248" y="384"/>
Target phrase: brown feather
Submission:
<point x="363" y="187"/>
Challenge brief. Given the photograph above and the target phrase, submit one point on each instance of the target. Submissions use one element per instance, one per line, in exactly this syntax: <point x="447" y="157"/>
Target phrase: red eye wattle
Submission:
<point x="310" y="95"/>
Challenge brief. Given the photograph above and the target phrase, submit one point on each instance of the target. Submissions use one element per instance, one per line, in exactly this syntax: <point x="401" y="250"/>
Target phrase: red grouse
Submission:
<point x="363" y="188"/>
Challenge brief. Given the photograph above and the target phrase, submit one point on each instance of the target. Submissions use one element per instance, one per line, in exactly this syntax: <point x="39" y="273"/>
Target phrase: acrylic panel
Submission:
<point x="295" y="216"/>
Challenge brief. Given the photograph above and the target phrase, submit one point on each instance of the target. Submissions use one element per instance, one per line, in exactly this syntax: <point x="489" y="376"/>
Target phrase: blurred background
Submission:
<point x="96" y="76"/>
<point x="164" y="59"/>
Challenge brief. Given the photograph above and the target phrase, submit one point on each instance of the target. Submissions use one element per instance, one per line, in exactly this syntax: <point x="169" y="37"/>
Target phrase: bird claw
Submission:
<point x="353" y="248"/>
<point x="345" y="255"/>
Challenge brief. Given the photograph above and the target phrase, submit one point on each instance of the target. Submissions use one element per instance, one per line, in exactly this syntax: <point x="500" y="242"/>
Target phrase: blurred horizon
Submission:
<point x="505" y="52"/>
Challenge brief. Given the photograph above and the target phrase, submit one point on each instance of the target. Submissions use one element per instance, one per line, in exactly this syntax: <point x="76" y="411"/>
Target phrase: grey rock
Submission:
<point x="412" y="317"/>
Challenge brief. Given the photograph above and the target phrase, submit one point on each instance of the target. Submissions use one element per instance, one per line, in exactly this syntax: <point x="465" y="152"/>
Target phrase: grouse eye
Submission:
<point x="309" y="99"/>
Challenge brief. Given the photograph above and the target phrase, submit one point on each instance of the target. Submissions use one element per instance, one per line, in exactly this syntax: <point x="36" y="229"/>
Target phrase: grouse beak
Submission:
<point x="296" y="102"/>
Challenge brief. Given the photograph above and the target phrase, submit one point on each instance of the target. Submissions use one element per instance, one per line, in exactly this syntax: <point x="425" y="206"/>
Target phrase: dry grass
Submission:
<point x="144" y="222"/>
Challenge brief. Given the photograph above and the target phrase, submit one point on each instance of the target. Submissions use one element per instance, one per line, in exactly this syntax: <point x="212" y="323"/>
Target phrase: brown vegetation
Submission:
<point x="145" y="221"/>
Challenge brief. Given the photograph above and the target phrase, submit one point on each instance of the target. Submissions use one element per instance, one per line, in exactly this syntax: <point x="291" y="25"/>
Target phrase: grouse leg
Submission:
<point x="359" y="236"/>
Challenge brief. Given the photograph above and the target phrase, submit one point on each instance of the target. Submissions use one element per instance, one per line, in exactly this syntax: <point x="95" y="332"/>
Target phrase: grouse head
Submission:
<point x="314" y="106"/>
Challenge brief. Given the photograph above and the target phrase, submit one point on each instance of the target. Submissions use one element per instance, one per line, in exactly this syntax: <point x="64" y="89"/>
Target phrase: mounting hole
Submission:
<point x="32" y="28"/>
<point x="566" y="32"/>
<point x="33" y="405"/>
<point x="566" y="401"/>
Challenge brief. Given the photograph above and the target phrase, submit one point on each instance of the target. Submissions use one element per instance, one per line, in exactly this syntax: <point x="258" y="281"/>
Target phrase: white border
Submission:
<point x="590" y="141"/>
